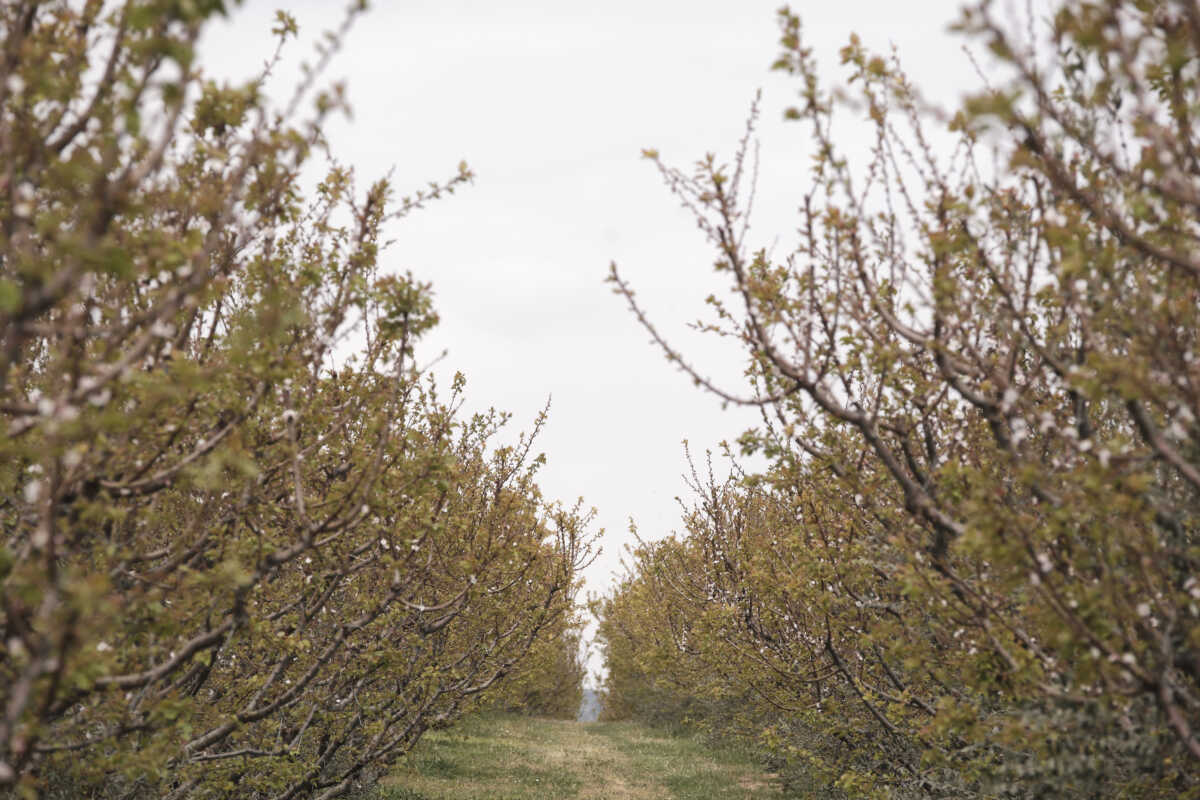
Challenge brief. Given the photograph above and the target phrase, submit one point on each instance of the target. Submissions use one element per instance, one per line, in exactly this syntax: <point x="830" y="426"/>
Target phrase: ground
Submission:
<point x="520" y="758"/>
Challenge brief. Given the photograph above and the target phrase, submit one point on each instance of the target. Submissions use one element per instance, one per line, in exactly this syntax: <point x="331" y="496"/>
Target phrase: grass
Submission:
<point x="506" y="757"/>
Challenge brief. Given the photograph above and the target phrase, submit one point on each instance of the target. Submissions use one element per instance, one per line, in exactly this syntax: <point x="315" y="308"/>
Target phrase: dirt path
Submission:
<point x="516" y="758"/>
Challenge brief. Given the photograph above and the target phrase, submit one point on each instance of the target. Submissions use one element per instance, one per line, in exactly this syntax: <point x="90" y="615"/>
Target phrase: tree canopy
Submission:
<point x="249" y="546"/>
<point x="972" y="568"/>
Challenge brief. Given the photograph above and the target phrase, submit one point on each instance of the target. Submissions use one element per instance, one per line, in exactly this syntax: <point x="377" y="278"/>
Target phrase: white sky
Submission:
<point x="550" y="103"/>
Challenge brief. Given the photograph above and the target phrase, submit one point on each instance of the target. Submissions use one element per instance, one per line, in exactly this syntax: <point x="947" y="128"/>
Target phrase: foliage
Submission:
<point x="249" y="548"/>
<point x="548" y="682"/>
<point x="971" y="568"/>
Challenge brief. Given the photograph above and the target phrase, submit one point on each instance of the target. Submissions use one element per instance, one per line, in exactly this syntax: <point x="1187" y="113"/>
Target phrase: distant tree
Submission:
<point x="247" y="547"/>
<point x="548" y="682"/>
<point x="973" y="568"/>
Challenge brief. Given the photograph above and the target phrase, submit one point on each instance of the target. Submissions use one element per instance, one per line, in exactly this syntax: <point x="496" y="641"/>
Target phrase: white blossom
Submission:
<point x="23" y="197"/>
<point x="162" y="329"/>
<point x="1020" y="431"/>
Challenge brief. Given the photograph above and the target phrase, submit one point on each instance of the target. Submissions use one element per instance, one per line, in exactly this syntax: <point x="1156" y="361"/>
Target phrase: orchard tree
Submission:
<point x="249" y="548"/>
<point x="548" y="682"/>
<point x="980" y="381"/>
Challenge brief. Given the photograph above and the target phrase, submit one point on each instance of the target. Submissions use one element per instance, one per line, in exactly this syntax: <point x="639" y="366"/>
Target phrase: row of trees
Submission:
<point x="248" y="546"/>
<point x="972" y="568"/>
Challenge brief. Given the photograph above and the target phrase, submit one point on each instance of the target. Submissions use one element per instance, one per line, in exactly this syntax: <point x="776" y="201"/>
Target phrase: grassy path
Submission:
<point x="517" y="758"/>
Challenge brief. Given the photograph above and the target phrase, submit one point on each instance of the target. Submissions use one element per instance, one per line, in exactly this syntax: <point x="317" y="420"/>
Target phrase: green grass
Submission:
<point x="517" y="758"/>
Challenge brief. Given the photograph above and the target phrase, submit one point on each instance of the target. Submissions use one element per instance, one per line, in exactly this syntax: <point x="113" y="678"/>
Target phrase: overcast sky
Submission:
<point x="550" y="103"/>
